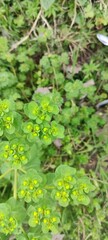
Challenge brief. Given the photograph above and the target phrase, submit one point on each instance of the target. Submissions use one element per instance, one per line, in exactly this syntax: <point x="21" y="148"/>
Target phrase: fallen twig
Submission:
<point x="14" y="46"/>
<point x="46" y="22"/>
<point x="101" y="104"/>
<point x="74" y="17"/>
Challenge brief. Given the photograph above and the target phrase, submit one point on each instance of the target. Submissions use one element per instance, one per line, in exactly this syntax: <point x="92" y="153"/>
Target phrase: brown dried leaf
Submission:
<point x="43" y="90"/>
<point x="58" y="237"/>
<point x="58" y="143"/>
<point x="89" y="83"/>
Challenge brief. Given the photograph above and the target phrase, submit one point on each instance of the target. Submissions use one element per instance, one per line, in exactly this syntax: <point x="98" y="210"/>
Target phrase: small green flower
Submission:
<point x="20" y="148"/>
<point x="54" y="129"/>
<point x="27" y="127"/>
<point x="60" y="183"/>
<point x="37" y="195"/>
<point x="46" y="139"/>
<point x="15" y="153"/>
<point x="30" y="187"/>
<point x="1" y="216"/>
<point x="7" y="224"/>
<point x="65" y="183"/>
<point x="32" y="131"/>
<point x="32" y="110"/>
<point x="22" y="193"/>
<point x="4" y="105"/>
<point x="47" y="212"/>
<point x="79" y="198"/>
<point x="50" y="224"/>
<point x="62" y="197"/>
<point x="14" y="146"/>
<point x="57" y="130"/>
<point x="43" y="217"/>
<point x="45" y="105"/>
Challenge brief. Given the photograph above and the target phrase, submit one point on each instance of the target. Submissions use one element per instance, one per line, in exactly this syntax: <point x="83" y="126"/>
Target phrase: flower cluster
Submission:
<point x="47" y="132"/>
<point x="6" y="117"/>
<point x="44" y="217"/>
<point x="15" y="153"/>
<point x="35" y="236"/>
<point x="71" y="188"/>
<point x="64" y="185"/>
<point x="43" y="109"/>
<point x="31" y="187"/>
<point x="79" y="193"/>
<point x="42" y="124"/>
<point x="7" y="223"/>
<point x="4" y="107"/>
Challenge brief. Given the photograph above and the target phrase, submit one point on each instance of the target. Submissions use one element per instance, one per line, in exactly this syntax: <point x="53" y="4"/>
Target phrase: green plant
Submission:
<point x="53" y="137"/>
<point x="64" y="187"/>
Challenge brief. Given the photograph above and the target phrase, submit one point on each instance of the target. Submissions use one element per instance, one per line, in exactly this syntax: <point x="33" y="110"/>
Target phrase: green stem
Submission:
<point x="22" y="170"/>
<point x="24" y="233"/>
<point x="4" y="174"/>
<point x="15" y="184"/>
<point x="55" y="75"/>
<point x="49" y="187"/>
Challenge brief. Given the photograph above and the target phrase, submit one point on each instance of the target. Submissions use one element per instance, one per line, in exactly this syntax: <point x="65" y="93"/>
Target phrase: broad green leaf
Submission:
<point x="3" y="237"/>
<point x="7" y="79"/>
<point x="17" y="209"/>
<point x="21" y="237"/>
<point x="3" y="44"/>
<point x="64" y="170"/>
<point x="46" y="4"/>
<point x="35" y="157"/>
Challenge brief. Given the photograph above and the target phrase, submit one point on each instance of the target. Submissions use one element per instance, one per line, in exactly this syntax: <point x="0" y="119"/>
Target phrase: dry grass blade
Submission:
<point x="14" y="46"/>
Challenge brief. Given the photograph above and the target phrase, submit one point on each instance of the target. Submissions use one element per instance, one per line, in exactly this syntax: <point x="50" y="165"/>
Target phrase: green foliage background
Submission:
<point x="54" y="143"/>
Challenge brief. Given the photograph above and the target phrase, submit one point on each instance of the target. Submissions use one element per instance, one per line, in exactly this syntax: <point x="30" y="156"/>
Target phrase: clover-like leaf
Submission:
<point x="46" y="4"/>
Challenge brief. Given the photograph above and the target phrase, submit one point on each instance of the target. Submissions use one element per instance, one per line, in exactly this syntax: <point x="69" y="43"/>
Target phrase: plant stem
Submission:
<point x="24" y="233"/>
<point x="15" y="184"/>
<point x="22" y="170"/>
<point x="4" y="174"/>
